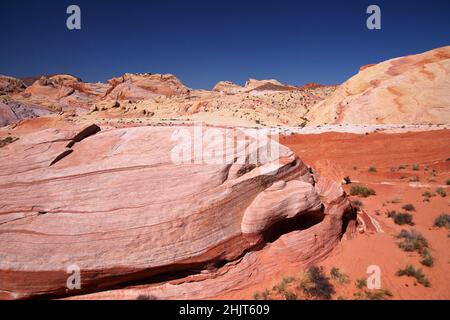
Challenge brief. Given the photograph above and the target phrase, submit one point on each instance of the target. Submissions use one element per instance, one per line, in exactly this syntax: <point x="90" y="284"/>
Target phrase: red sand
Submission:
<point x="338" y="155"/>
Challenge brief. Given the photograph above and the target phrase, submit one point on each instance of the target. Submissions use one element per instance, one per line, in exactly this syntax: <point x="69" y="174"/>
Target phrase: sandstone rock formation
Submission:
<point x="12" y="111"/>
<point x="10" y="85"/>
<point x="145" y="86"/>
<point x="227" y="87"/>
<point x="116" y="205"/>
<point x="60" y="93"/>
<point x="407" y="90"/>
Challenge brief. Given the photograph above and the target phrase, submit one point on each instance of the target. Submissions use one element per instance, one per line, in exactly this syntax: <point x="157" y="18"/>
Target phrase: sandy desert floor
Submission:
<point x="404" y="167"/>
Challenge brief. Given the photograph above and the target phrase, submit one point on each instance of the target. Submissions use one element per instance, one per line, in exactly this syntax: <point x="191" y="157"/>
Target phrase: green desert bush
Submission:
<point x="361" y="283"/>
<point x="426" y="258"/>
<point x="265" y="295"/>
<point x="411" y="271"/>
<point x="443" y="221"/>
<point x="409" y="207"/>
<point x="337" y="275"/>
<point x="381" y="294"/>
<point x="401" y="218"/>
<point x="416" y="167"/>
<point x="316" y="284"/>
<point x="441" y="191"/>
<point x="362" y="191"/>
<point x="411" y="241"/>
<point x="372" y="169"/>
<point x="288" y="295"/>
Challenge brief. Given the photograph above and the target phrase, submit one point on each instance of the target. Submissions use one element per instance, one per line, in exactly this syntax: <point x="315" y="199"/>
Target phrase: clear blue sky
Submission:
<point x="204" y="41"/>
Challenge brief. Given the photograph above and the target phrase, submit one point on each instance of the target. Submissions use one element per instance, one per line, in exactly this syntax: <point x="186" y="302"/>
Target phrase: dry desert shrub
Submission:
<point x="362" y="191"/>
<point x="411" y="271"/>
<point x="441" y="191"/>
<point x="443" y="221"/>
<point x="315" y="284"/>
<point x="339" y="276"/>
<point x="401" y="218"/>
<point x="409" y="207"/>
<point x="411" y="241"/>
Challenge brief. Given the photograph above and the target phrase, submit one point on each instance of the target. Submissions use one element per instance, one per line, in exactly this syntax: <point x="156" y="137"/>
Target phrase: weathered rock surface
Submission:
<point x="121" y="210"/>
<point x="12" y="111"/>
<point x="10" y="85"/>
<point x="227" y="87"/>
<point x="407" y="90"/>
<point x="62" y="93"/>
<point x="145" y="86"/>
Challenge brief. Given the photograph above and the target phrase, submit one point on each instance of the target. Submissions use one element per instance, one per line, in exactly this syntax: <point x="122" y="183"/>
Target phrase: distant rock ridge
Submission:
<point x="407" y="90"/>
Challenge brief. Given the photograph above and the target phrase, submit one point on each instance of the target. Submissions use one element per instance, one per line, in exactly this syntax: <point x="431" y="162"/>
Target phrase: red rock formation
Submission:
<point x="62" y="93"/>
<point x="145" y="86"/>
<point x="121" y="210"/>
<point x="227" y="87"/>
<point x="9" y="85"/>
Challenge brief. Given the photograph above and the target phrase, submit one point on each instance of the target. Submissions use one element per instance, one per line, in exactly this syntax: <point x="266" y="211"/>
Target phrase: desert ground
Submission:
<point x="104" y="195"/>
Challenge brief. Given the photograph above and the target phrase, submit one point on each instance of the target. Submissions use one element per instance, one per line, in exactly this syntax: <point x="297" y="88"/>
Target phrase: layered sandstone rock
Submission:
<point x="62" y="93"/>
<point x="145" y="86"/>
<point x="12" y="111"/>
<point x="407" y="90"/>
<point x="227" y="87"/>
<point x="117" y="205"/>
<point x="9" y="85"/>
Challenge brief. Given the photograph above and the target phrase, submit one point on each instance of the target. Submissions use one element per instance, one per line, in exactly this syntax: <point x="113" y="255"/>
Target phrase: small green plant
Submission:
<point x="416" y="167"/>
<point x="448" y="182"/>
<point x="409" y="207"/>
<point x="426" y="258"/>
<point x="381" y="294"/>
<point x="281" y="287"/>
<point x="256" y="296"/>
<point x="337" y="275"/>
<point x="401" y="218"/>
<point x="372" y="169"/>
<point x="443" y="221"/>
<point x="362" y="191"/>
<point x="428" y="195"/>
<point x="315" y="284"/>
<point x="411" y="271"/>
<point x="265" y="295"/>
<point x="395" y="200"/>
<point x="361" y="283"/>
<point x="411" y="241"/>
<point x="441" y="191"/>
<point x="288" y="295"/>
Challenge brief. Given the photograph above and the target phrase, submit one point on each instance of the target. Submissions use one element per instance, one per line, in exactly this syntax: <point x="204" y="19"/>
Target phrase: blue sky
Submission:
<point x="203" y="42"/>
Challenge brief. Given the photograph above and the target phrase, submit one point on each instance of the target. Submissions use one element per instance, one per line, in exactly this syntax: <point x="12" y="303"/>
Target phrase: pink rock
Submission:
<point x="121" y="210"/>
